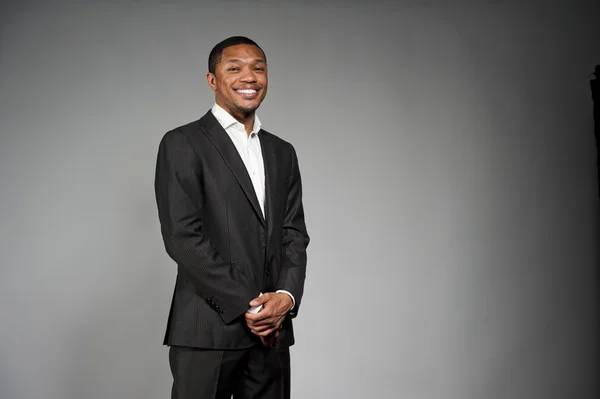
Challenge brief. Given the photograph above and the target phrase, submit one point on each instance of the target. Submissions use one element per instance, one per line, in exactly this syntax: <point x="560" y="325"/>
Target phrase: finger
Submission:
<point x="264" y="327"/>
<point x="268" y="341"/>
<point x="269" y="332"/>
<point x="272" y="321"/>
<point x="267" y="312"/>
<point x="262" y="315"/>
<point x="260" y="299"/>
<point x="265" y="333"/>
<point x="255" y="309"/>
<point x="256" y="323"/>
<point x="276" y="325"/>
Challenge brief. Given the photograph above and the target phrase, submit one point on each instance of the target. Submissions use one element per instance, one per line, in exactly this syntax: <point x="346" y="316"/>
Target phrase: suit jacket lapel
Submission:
<point x="270" y="162"/>
<point x="226" y="148"/>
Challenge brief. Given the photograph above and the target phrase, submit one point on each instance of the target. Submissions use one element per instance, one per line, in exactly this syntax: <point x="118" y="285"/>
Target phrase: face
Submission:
<point x="240" y="80"/>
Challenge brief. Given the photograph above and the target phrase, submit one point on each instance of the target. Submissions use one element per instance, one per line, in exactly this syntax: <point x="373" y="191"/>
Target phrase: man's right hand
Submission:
<point x="268" y="320"/>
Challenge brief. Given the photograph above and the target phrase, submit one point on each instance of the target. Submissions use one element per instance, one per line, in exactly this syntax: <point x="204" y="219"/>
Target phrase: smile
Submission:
<point x="247" y="94"/>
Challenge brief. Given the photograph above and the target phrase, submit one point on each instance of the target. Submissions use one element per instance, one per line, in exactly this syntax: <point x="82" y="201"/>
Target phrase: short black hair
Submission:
<point x="217" y="52"/>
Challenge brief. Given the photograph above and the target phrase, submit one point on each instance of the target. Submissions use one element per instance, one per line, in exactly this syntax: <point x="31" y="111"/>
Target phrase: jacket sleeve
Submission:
<point x="295" y="240"/>
<point x="179" y="200"/>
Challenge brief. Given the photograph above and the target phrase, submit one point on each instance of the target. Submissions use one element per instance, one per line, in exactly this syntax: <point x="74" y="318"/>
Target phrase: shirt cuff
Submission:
<point x="291" y="296"/>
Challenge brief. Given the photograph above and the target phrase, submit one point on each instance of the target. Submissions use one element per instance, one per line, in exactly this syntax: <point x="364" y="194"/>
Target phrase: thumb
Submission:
<point x="259" y="300"/>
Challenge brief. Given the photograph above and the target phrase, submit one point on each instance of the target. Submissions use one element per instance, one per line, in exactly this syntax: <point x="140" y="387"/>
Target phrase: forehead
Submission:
<point x="244" y="52"/>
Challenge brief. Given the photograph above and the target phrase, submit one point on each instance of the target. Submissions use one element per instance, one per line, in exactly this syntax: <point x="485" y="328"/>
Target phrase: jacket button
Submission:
<point x="268" y="272"/>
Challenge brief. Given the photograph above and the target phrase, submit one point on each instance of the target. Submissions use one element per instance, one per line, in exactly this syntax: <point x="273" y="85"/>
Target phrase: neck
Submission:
<point x="246" y="119"/>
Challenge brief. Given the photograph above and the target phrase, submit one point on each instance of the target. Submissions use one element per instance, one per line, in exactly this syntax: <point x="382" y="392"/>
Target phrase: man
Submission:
<point x="229" y="199"/>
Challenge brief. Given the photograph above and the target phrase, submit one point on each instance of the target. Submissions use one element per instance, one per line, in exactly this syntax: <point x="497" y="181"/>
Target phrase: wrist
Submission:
<point x="286" y="301"/>
<point x="291" y="297"/>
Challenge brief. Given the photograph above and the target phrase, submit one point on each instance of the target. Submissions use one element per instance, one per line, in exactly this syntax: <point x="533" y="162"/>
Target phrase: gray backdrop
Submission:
<point x="450" y="189"/>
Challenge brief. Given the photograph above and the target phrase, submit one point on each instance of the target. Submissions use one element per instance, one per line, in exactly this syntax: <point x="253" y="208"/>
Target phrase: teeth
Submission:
<point x="246" y="91"/>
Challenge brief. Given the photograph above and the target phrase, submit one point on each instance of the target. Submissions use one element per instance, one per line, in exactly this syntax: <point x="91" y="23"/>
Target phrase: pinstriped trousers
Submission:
<point x="254" y="373"/>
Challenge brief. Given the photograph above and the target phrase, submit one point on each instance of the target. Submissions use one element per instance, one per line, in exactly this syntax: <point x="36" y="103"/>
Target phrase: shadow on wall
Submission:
<point x="114" y="349"/>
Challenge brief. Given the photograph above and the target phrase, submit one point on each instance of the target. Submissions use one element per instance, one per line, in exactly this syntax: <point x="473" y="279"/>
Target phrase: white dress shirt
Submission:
<point x="248" y="146"/>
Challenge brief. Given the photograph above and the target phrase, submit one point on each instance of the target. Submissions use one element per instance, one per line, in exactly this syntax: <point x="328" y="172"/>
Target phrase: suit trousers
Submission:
<point x="253" y="373"/>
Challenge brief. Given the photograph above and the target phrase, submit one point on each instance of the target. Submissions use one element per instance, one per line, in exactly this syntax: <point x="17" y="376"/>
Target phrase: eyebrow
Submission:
<point x="239" y="60"/>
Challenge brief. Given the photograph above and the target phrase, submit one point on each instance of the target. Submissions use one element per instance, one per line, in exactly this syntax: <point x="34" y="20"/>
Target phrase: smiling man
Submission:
<point x="229" y="199"/>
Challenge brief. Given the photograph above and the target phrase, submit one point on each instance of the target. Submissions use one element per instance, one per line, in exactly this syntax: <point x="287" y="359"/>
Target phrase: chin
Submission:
<point x="248" y="109"/>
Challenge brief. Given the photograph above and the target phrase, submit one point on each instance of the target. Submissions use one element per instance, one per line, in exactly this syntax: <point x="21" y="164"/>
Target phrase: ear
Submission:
<point x="211" y="79"/>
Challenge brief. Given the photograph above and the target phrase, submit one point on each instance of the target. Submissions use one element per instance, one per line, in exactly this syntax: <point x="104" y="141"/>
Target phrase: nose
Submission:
<point x="247" y="76"/>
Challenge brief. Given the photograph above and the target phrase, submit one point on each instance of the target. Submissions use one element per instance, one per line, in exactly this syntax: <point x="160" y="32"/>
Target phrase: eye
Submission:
<point x="233" y="69"/>
<point x="259" y="68"/>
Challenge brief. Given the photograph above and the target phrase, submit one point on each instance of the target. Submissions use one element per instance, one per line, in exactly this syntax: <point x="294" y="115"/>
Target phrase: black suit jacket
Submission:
<point x="212" y="227"/>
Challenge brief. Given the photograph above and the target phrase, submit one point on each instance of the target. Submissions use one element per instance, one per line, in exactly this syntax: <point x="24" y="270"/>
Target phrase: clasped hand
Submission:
<point x="267" y="322"/>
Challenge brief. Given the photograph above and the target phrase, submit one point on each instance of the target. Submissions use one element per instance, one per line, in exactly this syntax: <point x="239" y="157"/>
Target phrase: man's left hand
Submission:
<point x="269" y="319"/>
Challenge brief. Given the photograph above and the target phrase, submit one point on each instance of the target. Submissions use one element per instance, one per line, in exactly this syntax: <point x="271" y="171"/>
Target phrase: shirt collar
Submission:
<point x="226" y="120"/>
